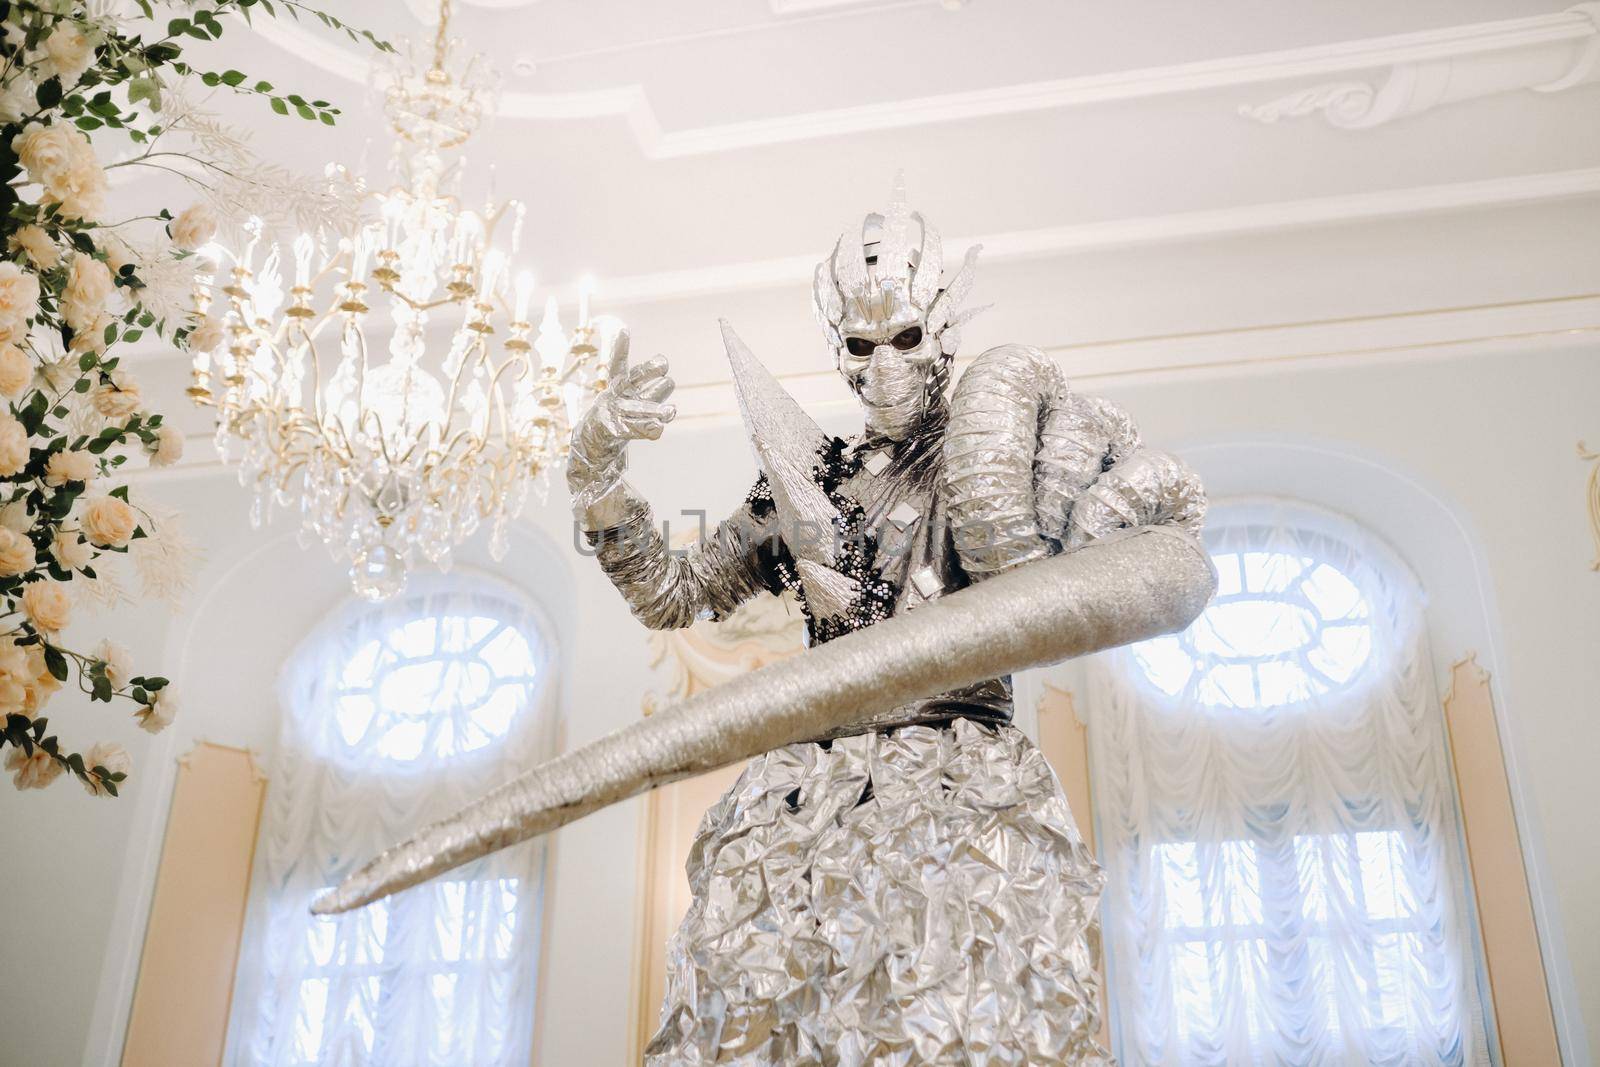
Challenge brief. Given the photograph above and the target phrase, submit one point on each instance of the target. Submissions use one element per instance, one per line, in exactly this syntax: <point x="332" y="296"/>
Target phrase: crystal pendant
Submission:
<point x="377" y="573"/>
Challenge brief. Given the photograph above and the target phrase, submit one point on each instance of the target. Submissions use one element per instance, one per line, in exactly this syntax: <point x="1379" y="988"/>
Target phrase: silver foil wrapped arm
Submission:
<point x="1146" y="489"/>
<point x="665" y="588"/>
<point x="1032" y="466"/>
<point x="1125" y="588"/>
<point x="668" y="589"/>
<point x="989" y="449"/>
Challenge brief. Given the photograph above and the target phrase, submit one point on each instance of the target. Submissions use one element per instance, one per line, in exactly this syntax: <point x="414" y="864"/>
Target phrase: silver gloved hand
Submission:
<point x="633" y="407"/>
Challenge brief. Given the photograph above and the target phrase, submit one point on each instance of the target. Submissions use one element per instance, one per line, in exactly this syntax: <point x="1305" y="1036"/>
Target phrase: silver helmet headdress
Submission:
<point x="892" y="326"/>
<point x="888" y="269"/>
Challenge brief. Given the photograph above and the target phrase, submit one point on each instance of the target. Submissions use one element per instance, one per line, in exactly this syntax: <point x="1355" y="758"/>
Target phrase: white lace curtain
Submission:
<point x="1278" y="819"/>
<point x="394" y="715"/>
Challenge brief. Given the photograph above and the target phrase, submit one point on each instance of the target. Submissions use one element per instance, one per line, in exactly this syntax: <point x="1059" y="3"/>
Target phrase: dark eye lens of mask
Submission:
<point x="858" y="346"/>
<point x="908" y="339"/>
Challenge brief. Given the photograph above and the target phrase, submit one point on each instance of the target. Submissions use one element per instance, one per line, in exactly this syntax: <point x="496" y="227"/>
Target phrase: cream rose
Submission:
<point x="46" y="605"/>
<point x="195" y="225"/>
<point x="19" y="300"/>
<point x="41" y="683"/>
<point x="68" y="466"/>
<point x="206" y="335"/>
<point x="63" y="162"/>
<point x="16" y="370"/>
<point x="169" y="446"/>
<point x="88" y="288"/>
<point x="36" y="244"/>
<point x="92" y="339"/>
<point x="15" y="516"/>
<point x="32" y="772"/>
<point x="159" y="713"/>
<point x="70" y="550"/>
<point x="118" y="661"/>
<point x="118" y="398"/>
<point x="112" y="758"/>
<point x="13" y="446"/>
<point x="16" y="553"/>
<point x="117" y="252"/>
<point x="14" y="679"/>
<point x="108" y="522"/>
<point x="69" y="51"/>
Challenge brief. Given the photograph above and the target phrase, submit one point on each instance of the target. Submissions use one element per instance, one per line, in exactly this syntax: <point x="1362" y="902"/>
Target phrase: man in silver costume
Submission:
<point x="911" y="888"/>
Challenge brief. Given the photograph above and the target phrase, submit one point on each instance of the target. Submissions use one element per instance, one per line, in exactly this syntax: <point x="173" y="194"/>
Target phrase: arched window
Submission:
<point x="396" y="714"/>
<point x="1277" y="815"/>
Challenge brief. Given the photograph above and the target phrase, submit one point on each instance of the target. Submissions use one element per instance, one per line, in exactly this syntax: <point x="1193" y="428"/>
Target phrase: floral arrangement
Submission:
<point x="74" y="284"/>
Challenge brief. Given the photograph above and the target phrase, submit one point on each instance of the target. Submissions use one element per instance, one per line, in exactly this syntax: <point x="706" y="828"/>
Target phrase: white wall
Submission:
<point x="1460" y="454"/>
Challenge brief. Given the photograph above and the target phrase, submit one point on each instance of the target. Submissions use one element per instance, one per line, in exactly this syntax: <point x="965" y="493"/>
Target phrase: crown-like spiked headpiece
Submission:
<point x="887" y="270"/>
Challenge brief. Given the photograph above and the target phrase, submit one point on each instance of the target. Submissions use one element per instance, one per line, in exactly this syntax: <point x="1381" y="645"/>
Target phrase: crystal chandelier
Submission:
<point x="397" y="435"/>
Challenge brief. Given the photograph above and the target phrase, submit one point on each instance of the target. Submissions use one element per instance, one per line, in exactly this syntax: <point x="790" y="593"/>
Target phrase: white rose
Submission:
<point x="63" y="162"/>
<point x="58" y="375"/>
<point x="206" y="335"/>
<point x="195" y="226"/>
<point x="32" y="772"/>
<point x="108" y="522"/>
<point x="70" y="550"/>
<point x="19" y="300"/>
<point x="16" y="370"/>
<point x="112" y="757"/>
<point x="13" y="446"/>
<point x="118" y="398"/>
<point x="47" y="606"/>
<point x="88" y="288"/>
<point x="69" y="51"/>
<point x="68" y="466"/>
<point x="169" y="446"/>
<point x="37" y="245"/>
<point x="17" y="98"/>
<point x="159" y="713"/>
<point x="118" y="661"/>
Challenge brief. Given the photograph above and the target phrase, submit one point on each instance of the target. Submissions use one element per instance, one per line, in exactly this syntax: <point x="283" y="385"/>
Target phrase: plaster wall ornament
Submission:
<point x="1411" y="88"/>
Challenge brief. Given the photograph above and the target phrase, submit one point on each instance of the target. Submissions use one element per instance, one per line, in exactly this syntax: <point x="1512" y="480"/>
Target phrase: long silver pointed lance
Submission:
<point x="1126" y="588"/>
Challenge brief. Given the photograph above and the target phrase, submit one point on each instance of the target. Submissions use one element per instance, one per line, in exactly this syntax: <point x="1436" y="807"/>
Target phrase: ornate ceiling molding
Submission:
<point x="1568" y="56"/>
<point x="1493" y="42"/>
<point x="1122" y="233"/>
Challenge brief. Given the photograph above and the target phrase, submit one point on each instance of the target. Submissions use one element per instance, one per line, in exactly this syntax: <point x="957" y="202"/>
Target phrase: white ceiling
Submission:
<point x="668" y="147"/>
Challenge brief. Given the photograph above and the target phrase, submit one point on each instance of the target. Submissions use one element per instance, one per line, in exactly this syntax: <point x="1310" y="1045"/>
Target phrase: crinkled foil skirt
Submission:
<point x="914" y="897"/>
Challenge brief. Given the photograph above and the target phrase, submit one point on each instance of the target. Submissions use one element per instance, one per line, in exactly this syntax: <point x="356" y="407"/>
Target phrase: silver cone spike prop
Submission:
<point x="1125" y="588"/>
<point x="786" y="442"/>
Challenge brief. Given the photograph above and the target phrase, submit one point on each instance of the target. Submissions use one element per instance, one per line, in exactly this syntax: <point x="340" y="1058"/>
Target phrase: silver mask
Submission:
<point x="892" y="329"/>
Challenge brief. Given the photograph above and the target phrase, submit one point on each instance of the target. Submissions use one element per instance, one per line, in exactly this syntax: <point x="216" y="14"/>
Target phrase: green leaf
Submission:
<point x="55" y="663"/>
<point x="279" y="107"/>
<point x="48" y="94"/>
